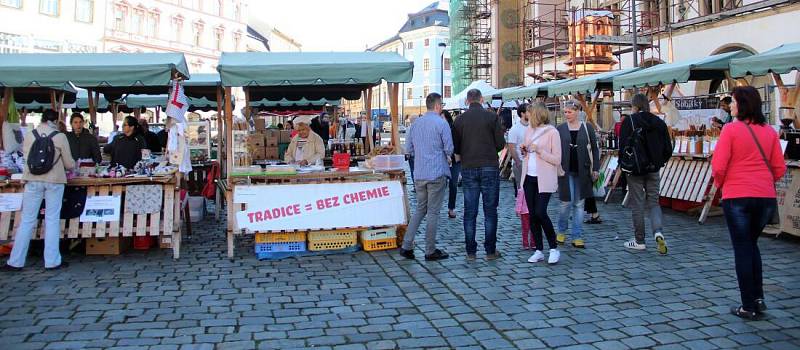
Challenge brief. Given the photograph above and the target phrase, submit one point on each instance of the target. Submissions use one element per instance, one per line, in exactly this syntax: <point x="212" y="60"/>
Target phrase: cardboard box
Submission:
<point x="259" y="154"/>
<point x="272" y="138"/>
<point x="286" y="136"/>
<point x="271" y="152"/>
<point x="260" y="124"/>
<point x="108" y="246"/>
<point x="255" y="140"/>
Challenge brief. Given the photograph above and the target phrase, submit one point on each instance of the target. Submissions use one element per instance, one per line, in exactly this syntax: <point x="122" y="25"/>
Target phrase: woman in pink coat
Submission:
<point x="541" y="151"/>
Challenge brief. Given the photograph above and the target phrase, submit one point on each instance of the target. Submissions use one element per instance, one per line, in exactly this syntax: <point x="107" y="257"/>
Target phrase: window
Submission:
<point x="177" y="28"/>
<point x="84" y="11"/>
<point x="427" y="42"/>
<point x="198" y="34"/>
<point x="426" y="64"/>
<point x="410" y="45"/>
<point x="217" y="8"/>
<point x="152" y="24"/>
<point x="220" y="34"/>
<point x="409" y="93"/>
<point x="446" y="64"/>
<point x="237" y="40"/>
<point x="120" y="13"/>
<point x="136" y="21"/>
<point x="49" y="7"/>
<point x="448" y="91"/>
<point x="238" y="12"/>
<point x="425" y="91"/>
<point x="12" y="3"/>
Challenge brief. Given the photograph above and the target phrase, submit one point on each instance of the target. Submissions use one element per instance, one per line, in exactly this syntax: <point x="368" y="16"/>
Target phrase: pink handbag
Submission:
<point x="521" y="206"/>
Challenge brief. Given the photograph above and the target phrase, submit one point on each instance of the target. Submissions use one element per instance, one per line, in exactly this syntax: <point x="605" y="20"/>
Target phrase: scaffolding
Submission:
<point x="562" y="41"/>
<point x="471" y="41"/>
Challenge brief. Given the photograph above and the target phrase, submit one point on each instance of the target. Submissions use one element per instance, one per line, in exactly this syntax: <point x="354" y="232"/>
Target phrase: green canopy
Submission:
<point x="202" y="85"/>
<point x="530" y="91"/>
<point x="311" y="75"/>
<point x="152" y="101"/>
<point x="299" y="103"/>
<point x="706" y="68"/>
<point x="100" y="71"/>
<point x="588" y="84"/>
<point x="781" y="60"/>
<point x="498" y="94"/>
<point x="82" y="101"/>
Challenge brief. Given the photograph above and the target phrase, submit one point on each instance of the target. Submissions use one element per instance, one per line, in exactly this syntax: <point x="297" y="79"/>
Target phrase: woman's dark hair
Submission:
<point x="49" y="115"/>
<point x="131" y="121"/>
<point x="75" y="115"/>
<point x="523" y="108"/>
<point x="448" y="117"/>
<point x="748" y="105"/>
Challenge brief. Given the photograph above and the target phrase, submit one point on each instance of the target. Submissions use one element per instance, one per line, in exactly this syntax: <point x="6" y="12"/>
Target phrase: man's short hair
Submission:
<point x="640" y="102"/>
<point x="49" y="115"/>
<point x="474" y="96"/>
<point x="432" y="100"/>
<point x="726" y="99"/>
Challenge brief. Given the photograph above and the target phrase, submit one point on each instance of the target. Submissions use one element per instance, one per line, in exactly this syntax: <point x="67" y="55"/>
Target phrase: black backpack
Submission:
<point x="635" y="158"/>
<point x="42" y="155"/>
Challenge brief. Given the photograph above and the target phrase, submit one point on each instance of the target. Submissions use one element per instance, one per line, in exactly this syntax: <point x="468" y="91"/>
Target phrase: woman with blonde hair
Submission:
<point x="541" y="152"/>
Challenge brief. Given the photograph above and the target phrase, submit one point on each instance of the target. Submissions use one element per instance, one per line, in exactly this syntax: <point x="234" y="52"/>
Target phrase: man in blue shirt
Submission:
<point x="431" y="144"/>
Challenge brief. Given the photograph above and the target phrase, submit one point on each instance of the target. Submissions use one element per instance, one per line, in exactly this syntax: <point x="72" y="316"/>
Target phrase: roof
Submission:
<point x="588" y="84"/>
<point x="459" y="101"/>
<point x="311" y="75"/>
<point x="531" y="91"/>
<point x="781" y="60"/>
<point x="706" y="68"/>
<point x="91" y="70"/>
<point x="434" y="14"/>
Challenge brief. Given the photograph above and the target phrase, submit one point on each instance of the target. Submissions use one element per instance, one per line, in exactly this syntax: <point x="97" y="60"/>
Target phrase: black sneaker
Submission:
<point x="63" y="265"/>
<point x="437" y="255"/>
<point x="408" y="254"/>
<point x="741" y="312"/>
<point x="9" y="268"/>
<point x="471" y="256"/>
<point x="760" y="305"/>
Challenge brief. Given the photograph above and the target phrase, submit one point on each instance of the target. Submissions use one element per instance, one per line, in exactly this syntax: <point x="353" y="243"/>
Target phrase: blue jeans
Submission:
<point x="746" y="218"/>
<point x="481" y="182"/>
<point x="574" y="207"/>
<point x="455" y="171"/>
<point x="411" y="167"/>
<point x="31" y="203"/>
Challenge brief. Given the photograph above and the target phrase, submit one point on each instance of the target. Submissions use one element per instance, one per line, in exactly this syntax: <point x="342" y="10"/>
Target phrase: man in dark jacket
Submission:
<point x="150" y="138"/>
<point x="478" y="136"/>
<point x="644" y="188"/>
<point x="82" y="143"/>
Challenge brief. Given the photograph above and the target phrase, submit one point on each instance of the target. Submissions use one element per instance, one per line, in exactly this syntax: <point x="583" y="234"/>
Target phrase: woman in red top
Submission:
<point x="747" y="162"/>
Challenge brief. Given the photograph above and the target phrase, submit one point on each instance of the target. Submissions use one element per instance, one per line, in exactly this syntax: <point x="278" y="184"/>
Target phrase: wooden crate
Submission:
<point x="166" y="223"/>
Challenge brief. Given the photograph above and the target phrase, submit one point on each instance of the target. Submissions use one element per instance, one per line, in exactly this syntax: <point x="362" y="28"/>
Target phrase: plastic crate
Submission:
<point x="280" y="247"/>
<point x="379" y="244"/>
<point x="280" y="237"/>
<point x="381" y="233"/>
<point x="332" y="240"/>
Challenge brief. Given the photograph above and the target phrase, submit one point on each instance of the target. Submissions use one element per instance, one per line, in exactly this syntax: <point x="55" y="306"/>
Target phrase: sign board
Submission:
<point x="199" y="134"/>
<point x="101" y="209"/>
<point x="320" y="206"/>
<point x="10" y="201"/>
<point x="688" y="103"/>
<point x="788" y="190"/>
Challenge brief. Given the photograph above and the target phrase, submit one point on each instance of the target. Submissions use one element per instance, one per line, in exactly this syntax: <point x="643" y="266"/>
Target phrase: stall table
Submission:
<point x="302" y="178"/>
<point x="166" y="224"/>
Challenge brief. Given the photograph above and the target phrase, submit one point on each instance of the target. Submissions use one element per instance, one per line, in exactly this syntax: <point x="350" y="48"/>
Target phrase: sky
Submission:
<point x="337" y="25"/>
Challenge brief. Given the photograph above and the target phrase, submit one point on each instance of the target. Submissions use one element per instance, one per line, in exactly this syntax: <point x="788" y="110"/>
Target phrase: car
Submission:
<point x="387" y="127"/>
<point x="401" y="129"/>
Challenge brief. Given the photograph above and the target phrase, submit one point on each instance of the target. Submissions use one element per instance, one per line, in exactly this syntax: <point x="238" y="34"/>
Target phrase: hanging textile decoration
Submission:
<point x="178" y="104"/>
<point x="143" y="199"/>
<point x="177" y="146"/>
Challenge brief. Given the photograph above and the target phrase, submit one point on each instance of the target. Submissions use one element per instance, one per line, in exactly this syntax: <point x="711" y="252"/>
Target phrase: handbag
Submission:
<point x="521" y="206"/>
<point x="775" y="219"/>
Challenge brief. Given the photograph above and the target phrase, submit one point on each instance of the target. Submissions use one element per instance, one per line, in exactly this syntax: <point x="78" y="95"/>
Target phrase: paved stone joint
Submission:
<point x="598" y="298"/>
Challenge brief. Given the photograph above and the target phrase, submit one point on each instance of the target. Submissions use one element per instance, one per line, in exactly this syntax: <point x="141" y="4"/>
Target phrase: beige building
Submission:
<point x="51" y="26"/>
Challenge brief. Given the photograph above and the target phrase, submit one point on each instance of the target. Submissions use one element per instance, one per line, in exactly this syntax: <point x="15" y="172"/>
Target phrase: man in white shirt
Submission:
<point x="516" y="136"/>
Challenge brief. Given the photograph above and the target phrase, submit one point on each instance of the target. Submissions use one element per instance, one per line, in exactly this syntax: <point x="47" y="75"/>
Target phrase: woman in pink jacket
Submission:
<point x="541" y="151"/>
<point x="747" y="162"/>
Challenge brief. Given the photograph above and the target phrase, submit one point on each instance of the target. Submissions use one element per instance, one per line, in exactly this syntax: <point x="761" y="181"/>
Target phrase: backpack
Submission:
<point x="635" y="158"/>
<point x="42" y="155"/>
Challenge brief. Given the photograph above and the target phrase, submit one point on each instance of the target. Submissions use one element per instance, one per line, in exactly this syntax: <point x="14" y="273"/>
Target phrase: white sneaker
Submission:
<point x="633" y="245"/>
<point x="554" y="255"/>
<point x="536" y="257"/>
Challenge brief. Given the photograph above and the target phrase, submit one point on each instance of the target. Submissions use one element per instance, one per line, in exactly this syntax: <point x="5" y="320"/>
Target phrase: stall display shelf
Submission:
<point x="280" y="237"/>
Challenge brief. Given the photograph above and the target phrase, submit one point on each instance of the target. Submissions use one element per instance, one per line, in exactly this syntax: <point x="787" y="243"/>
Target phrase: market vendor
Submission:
<point x="81" y="142"/>
<point x="307" y="147"/>
<point x="126" y="148"/>
<point x="151" y="139"/>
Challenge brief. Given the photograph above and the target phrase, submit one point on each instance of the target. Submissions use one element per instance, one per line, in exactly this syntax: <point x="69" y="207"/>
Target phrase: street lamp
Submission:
<point x="441" y="68"/>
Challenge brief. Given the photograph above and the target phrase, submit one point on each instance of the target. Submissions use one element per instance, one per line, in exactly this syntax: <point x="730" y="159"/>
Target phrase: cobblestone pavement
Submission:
<point x="599" y="298"/>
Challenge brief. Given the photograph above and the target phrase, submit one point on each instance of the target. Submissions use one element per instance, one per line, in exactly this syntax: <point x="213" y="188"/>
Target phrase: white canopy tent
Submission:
<point x="459" y="101"/>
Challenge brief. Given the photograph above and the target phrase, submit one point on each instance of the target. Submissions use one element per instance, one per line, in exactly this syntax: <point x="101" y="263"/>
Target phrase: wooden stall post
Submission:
<point x="229" y="162"/>
<point x="788" y="98"/>
<point x="92" y="112"/>
<point x="220" y="154"/>
<point x="368" y="106"/>
<point x="53" y="100"/>
<point x="8" y="94"/>
<point x="393" y="99"/>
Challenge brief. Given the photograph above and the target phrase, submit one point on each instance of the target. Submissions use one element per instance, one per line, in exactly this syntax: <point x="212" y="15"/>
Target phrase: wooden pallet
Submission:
<point x="166" y="224"/>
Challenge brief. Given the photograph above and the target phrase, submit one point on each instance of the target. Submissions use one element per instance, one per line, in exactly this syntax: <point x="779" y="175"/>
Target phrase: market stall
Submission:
<point x="106" y="215"/>
<point x="293" y="208"/>
<point x="686" y="181"/>
<point x="783" y="59"/>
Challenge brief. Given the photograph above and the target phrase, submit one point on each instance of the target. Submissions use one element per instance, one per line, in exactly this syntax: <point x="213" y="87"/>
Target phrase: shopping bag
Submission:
<point x="598" y="190"/>
<point x="521" y="206"/>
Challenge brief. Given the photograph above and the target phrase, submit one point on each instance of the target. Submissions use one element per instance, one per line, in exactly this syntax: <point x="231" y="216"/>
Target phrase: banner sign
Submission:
<point x="686" y="103"/>
<point x="320" y="206"/>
